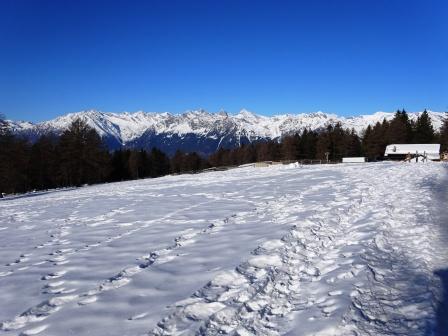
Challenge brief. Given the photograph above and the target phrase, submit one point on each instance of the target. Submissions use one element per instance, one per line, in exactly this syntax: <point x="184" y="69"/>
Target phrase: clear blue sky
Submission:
<point x="340" y="56"/>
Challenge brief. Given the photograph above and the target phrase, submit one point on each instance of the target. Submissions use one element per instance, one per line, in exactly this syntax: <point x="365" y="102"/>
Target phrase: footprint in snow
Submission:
<point x="53" y="275"/>
<point x="34" y="331"/>
<point x="137" y="317"/>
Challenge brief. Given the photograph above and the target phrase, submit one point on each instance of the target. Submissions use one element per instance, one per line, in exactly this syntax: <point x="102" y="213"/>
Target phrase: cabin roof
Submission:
<point x="412" y="148"/>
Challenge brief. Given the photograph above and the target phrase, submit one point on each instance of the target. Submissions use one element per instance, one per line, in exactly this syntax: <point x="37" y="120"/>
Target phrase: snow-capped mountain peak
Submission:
<point x="246" y="114"/>
<point x="198" y="129"/>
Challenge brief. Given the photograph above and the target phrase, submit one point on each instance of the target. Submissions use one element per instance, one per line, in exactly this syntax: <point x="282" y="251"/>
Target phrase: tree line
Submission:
<point x="78" y="156"/>
<point x="337" y="142"/>
<point x="402" y="130"/>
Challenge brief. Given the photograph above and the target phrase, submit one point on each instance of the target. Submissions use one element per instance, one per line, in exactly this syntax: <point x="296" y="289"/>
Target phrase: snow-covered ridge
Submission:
<point x="127" y="127"/>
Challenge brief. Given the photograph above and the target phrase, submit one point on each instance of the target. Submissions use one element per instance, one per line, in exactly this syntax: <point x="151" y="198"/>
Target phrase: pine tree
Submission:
<point x="193" y="163"/>
<point x="375" y="140"/>
<point x="176" y="162"/>
<point x="4" y="166"/>
<point x="42" y="164"/>
<point x="14" y="154"/>
<point x="307" y="145"/>
<point x="219" y="158"/>
<point x="399" y="130"/>
<point x="263" y="151"/>
<point x="243" y="154"/>
<point x="444" y="135"/>
<point x="352" y="144"/>
<point x="82" y="155"/>
<point x="134" y="165"/>
<point x="160" y="164"/>
<point x="119" y="168"/>
<point x="6" y="143"/>
<point x="324" y="144"/>
<point x="249" y="154"/>
<point x="338" y="142"/>
<point x="290" y="147"/>
<point x="269" y="151"/>
<point x="424" y="131"/>
<point x="367" y="142"/>
<point x="144" y="164"/>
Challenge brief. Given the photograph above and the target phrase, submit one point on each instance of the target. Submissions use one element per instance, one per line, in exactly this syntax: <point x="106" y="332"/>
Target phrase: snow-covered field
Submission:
<point x="319" y="250"/>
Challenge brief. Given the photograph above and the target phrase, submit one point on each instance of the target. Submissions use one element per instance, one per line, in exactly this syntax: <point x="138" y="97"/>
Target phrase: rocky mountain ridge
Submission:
<point x="199" y="130"/>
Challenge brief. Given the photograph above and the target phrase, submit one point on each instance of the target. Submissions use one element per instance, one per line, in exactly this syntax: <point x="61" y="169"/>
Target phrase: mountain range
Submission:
<point x="199" y="130"/>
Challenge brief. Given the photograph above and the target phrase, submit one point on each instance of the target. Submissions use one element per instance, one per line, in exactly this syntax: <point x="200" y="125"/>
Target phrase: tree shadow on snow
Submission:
<point x="404" y="284"/>
<point x="442" y="307"/>
<point x="440" y="214"/>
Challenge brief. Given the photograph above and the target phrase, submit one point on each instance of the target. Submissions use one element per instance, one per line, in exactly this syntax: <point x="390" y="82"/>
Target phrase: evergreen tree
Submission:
<point x="219" y="158"/>
<point x="236" y="156"/>
<point x="119" y="168"/>
<point x="424" y="131"/>
<point x="263" y="151"/>
<point x="134" y="165"/>
<point x="5" y="141"/>
<point x="444" y="135"/>
<point x="290" y="147"/>
<point x="367" y="142"/>
<point x="13" y="161"/>
<point x="307" y="145"/>
<point x="352" y="144"/>
<point x="249" y="154"/>
<point x="399" y="130"/>
<point x="82" y="155"/>
<point x="193" y="163"/>
<point x="324" y="144"/>
<point x="160" y="164"/>
<point x="176" y="162"/>
<point x="269" y="151"/>
<point x="144" y="167"/>
<point x="43" y="164"/>
<point x="374" y="141"/>
<point x="338" y="142"/>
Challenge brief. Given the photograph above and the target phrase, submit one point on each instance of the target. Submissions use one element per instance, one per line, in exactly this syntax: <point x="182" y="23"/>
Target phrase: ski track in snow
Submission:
<point x="329" y="250"/>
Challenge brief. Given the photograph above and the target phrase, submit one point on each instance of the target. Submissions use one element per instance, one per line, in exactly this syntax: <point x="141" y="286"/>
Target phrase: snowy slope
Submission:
<point x="142" y="129"/>
<point x="321" y="250"/>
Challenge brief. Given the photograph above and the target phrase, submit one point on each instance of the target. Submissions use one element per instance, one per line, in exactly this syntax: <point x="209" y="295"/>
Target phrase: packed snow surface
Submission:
<point x="349" y="249"/>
